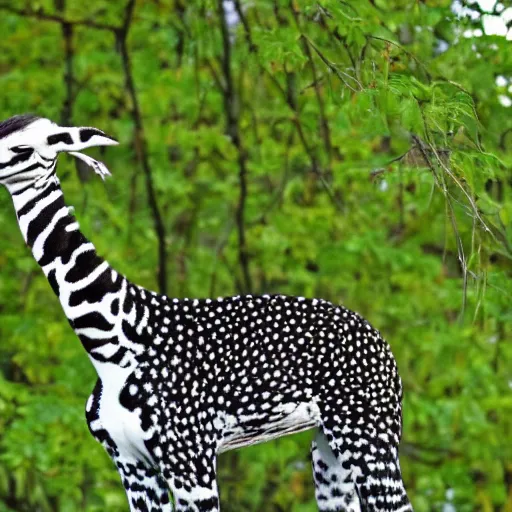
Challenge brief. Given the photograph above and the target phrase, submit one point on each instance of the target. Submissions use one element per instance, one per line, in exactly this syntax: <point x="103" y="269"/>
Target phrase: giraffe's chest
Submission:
<point x="117" y="427"/>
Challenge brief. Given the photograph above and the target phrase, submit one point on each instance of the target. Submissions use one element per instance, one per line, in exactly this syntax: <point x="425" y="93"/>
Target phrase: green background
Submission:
<point x="358" y="151"/>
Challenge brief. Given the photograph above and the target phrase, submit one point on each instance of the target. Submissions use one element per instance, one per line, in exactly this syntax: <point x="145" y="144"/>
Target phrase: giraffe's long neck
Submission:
<point x="100" y="304"/>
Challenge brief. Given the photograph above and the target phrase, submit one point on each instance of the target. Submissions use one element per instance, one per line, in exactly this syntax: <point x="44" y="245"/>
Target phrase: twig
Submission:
<point x="340" y="74"/>
<point x="407" y="52"/>
<point x="277" y="197"/>
<point x="181" y="29"/>
<point x="343" y="41"/>
<point x="323" y="119"/>
<point x="218" y="81"/>
<point x="219" y="247"/>
<point x="503" y="139"/>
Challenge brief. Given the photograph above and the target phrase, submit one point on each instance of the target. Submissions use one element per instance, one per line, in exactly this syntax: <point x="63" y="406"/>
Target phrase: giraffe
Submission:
<point x="183" y="380"/>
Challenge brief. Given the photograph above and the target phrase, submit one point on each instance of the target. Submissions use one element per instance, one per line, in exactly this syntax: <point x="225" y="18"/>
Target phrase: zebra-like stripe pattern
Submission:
<point x="183" y="380"/>
<point x="89" y="290"/>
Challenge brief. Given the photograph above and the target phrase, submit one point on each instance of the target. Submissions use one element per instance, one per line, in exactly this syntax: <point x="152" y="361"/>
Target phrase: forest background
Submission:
<point x="354" y="150"/>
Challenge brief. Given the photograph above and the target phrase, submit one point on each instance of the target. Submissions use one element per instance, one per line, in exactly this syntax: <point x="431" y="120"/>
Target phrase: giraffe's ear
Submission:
<point x="70" y="139"/>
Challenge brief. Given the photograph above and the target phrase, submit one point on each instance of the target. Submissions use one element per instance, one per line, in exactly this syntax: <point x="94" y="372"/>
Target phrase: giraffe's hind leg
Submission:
<point x="145" y="488"/>
<point x="335" y="490"/>
<point x="367" y="453"/>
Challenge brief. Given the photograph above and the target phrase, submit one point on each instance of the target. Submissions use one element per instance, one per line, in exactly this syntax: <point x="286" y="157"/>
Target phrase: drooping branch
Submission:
<point x="141" y="144"/>
<point x="231" y="109"/>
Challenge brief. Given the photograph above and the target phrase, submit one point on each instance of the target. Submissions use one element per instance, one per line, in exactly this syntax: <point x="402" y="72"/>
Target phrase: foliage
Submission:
<point x="354" y="150"/>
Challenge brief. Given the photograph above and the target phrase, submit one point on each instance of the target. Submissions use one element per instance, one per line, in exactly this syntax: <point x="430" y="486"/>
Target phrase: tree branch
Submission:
<point x="40" y="14"/>
<point x="141" y="145"/>
<point x="233" y="131"/>
<point x="247" y="27"/>
<point x="67" y="107"/>
<point x="67" y="35"/>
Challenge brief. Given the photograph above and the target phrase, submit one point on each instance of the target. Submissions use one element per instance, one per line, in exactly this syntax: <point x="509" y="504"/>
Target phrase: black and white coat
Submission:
<point x="181" y="381"/>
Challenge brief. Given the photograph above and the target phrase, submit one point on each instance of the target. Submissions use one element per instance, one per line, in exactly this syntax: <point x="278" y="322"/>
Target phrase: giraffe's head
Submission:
<point x="29" y="146"/>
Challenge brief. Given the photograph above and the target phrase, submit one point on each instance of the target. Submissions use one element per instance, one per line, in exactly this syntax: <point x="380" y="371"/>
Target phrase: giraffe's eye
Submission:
<point x="22" y="150"/>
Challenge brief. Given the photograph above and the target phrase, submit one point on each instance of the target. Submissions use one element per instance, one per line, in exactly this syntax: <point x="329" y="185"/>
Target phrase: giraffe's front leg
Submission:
<point x="145" y="488"/>
<point x="191" y="497"/>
